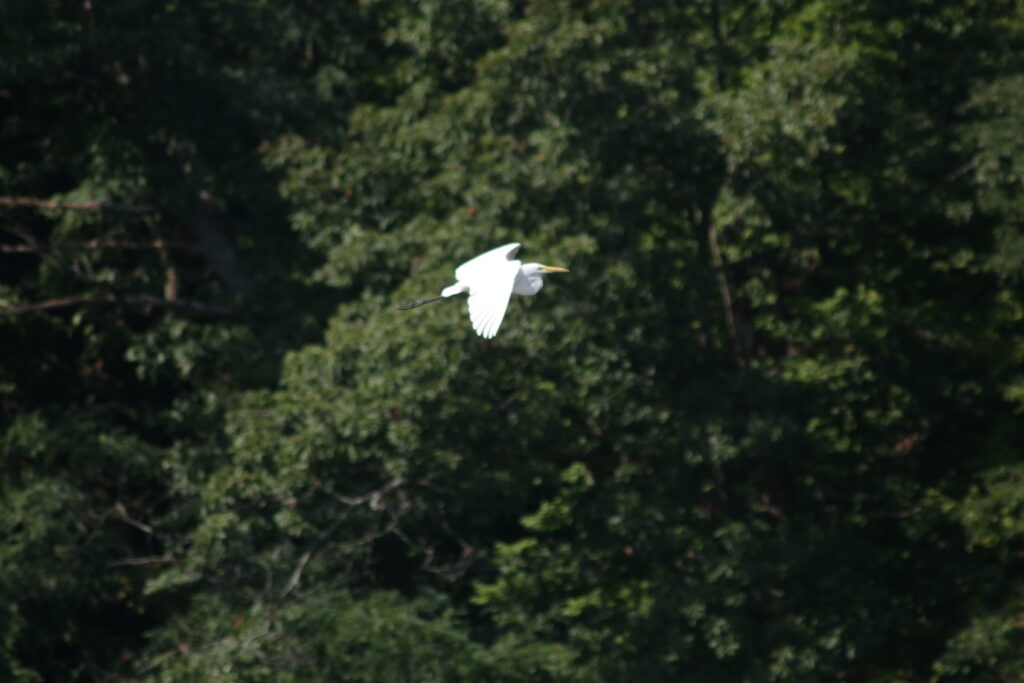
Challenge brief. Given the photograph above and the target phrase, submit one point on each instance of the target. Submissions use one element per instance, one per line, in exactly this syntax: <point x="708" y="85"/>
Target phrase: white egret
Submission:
<point x="491" y="279"/>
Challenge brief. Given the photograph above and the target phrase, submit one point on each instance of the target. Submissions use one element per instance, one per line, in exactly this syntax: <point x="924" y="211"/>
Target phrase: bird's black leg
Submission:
<point x="419" y="302"/>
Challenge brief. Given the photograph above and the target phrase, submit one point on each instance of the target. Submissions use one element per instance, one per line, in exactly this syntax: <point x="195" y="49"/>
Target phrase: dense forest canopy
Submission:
<point x="768" y="428"/>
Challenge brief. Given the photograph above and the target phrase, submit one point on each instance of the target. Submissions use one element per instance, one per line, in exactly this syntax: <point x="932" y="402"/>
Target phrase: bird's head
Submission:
<point x="541" y="269"/>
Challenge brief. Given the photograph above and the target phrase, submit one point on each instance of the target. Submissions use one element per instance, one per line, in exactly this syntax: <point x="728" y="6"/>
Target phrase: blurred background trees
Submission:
<point x="767" y="429"/>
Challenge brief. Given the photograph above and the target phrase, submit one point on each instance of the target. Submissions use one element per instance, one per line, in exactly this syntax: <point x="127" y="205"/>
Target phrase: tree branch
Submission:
<point x="35" y="244"/>
<point x="112" y="298"/>
<point x="716" y="30"/>
<point x="151" y="559"/>
<point x="373" y="498"/>
<point x="297" y="573"/>
<point x="129" y="520"/>
<point x="158" y="244"/>
<point x="49" y="303"/>
<point x="212" y="242"/>
<point x="95" y="205"/>
<point x="717" y="264"/>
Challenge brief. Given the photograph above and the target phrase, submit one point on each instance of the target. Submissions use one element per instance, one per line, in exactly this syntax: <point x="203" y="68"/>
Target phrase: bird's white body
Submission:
<point x="491" y="279"/>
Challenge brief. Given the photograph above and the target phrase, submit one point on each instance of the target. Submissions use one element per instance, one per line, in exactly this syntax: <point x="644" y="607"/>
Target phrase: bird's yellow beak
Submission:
<point x="553" y="269"/>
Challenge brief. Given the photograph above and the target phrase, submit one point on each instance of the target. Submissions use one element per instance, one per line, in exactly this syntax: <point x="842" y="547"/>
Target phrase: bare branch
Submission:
<point x="723" y="292"/>
<point x="297" y="573"/>
<point x="150" y="559"/>
<point x="50" y="303"/>
<point x="35" y="244"/>
<point x="160" y="245"/>
<point x="716" y="30"/>
<point x="373" y="498"/>
<point x="111" y="298"/>
<point x="212" y="241"/>
<point x="969" y="166"/>
<point x="128" y="519"/>
<point x="181" y="304"/>
<point x="17" y="249"/>
<point x="96" y="206"/>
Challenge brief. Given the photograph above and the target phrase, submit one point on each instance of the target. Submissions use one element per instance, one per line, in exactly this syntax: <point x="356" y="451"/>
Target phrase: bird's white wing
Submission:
<point x="489" y="292"/>
<point x="486" y="261"/>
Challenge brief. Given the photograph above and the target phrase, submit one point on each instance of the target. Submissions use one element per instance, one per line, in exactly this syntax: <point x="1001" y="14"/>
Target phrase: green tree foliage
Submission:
<point x="145" y="272"/>
<point x="767" y="429"/>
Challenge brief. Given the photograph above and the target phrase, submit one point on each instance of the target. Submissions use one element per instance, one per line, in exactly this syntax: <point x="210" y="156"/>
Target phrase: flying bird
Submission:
<point x="491" y="279"/>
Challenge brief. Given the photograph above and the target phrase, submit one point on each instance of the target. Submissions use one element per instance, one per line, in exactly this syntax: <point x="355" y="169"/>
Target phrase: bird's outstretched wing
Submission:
<point x="486" y="261"/>
<point x="489" y="292"/>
